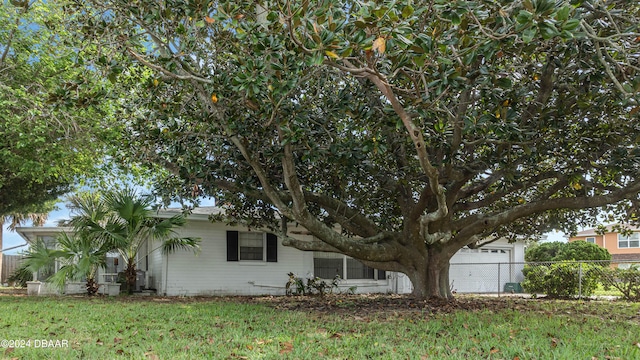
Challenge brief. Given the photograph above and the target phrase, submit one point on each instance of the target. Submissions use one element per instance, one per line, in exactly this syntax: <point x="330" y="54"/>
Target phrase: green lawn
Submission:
<point x="333" y="328"/>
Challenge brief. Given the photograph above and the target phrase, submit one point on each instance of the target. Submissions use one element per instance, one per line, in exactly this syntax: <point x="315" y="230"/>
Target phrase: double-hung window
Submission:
<point x="252" y="246"/>
<point x="631" y="241"/>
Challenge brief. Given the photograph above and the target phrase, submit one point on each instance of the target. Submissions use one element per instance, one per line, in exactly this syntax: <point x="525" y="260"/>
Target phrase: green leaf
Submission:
<point x="529" y="34"/>
<point x="504" y="83"/>
<point x="524" y="17"/>
<point x="407" y="11"/>
<point x="548" y="30"/>
<point x="571" y="24"/>
<point x="563" y="13"/>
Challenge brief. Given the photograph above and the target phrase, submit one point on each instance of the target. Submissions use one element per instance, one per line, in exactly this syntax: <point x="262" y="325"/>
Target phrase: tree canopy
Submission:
<point x="395" y="132"/>
<point x="53" y="109"/>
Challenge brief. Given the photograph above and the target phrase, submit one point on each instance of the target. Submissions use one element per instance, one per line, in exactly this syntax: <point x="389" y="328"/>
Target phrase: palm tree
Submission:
<point x="15" y="220"/>
<point x="79" y="257"/>
<point x="124" y="221"/>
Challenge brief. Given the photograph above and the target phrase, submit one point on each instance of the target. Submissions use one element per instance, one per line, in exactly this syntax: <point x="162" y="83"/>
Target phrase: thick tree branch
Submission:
<point x="482" y="223"/>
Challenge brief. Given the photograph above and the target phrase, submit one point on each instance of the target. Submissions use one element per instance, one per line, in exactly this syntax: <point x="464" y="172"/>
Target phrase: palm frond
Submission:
<point x="184" y="243"/>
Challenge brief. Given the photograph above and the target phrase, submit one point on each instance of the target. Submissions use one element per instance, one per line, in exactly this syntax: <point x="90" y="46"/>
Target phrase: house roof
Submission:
<point x="199" y="213"/>
<point x="593" y="232"/>
<point x="31" y="233"/>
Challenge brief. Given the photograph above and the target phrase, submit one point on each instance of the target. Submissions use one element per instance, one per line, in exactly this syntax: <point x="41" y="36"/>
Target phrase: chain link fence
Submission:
<point x="563" y="279"/>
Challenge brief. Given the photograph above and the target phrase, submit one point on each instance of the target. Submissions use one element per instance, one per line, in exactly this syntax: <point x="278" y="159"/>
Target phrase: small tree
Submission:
<point x="627" y="281"/>
<point x="124" y="221"/>
<point x="80" y="258"/>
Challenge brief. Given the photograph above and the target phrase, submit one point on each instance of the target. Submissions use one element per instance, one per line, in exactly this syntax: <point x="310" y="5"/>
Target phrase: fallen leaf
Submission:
<point x="335" y="336"/>
<point x="286" y="347"/>
<point x="493" y="350"/>
<point x="554" y="342"/>
<point x="120" y="352"/>
<point x="99" y="342"/>
<point x="209" y="20"/>
<point x="151" y="356"/>
<point x="9" y="351"/>
<point x="116" y="340"/>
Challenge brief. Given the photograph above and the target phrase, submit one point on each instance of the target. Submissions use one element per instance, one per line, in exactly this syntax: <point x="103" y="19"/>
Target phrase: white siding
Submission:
<point x="209" y="272"/>
<point x="156" y="267"/>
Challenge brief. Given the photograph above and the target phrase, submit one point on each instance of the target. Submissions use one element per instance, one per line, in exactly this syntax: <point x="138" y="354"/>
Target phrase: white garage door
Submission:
<point x="480" y="270"/>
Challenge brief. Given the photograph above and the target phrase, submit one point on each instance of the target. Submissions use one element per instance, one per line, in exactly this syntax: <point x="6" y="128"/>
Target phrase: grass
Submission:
<point x="600" y="291"/>
<point x="165" y="328"/>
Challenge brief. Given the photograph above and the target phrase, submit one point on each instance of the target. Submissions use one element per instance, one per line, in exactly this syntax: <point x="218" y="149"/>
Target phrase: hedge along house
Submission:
<point x="234" y="260"/>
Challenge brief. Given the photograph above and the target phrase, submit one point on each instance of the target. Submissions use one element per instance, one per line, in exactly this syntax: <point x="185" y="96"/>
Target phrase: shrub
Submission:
<point x="561" y="280"/>
<point x="543" y="252"/>
<point x="582" y="250"/>
<point x="312" y="286"/>
<point x="559" y="251"/>
<point x="20" y="277"/>
<point x="627" y="281"/>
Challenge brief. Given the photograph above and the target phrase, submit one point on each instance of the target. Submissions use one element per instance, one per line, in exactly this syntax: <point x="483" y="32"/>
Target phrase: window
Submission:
<point x="251" y="246"/>
<point x="632" y="241"/>
<point x="114" y="265"/>
<point x="493" y="251"/>
<point x="328" y="265"/>
<point x="591" y="240"/>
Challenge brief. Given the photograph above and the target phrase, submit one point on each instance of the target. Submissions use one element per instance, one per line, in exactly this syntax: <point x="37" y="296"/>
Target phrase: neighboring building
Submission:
<point x="621" y="247"/>
<point x="235" y="261"/>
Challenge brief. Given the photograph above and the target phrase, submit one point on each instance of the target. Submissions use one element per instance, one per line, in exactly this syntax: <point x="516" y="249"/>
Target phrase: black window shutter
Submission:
<point x="232" y="246"/>
<point x="272" y="248"/>
<point x="382" y="275"/>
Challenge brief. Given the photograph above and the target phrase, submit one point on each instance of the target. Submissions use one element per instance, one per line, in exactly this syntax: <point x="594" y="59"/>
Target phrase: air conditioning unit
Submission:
<point x="140" y="280"/>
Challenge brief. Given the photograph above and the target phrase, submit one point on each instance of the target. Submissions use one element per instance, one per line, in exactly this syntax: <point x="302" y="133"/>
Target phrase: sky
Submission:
<point x="11" y="239"/>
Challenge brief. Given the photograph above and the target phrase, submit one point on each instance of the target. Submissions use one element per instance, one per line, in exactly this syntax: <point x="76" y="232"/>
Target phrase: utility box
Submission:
<point x="513" y="288"/>
<point x="140" y="280"/>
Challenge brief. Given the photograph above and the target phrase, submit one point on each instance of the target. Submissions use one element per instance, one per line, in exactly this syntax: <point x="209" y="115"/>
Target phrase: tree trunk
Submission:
<point x="432" y="280"/>
<point x="130" y="275"/>
<point x="92" y="287"/>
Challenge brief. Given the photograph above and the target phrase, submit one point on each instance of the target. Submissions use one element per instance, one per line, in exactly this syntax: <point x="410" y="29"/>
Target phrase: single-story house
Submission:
<point x="233" y="260"/>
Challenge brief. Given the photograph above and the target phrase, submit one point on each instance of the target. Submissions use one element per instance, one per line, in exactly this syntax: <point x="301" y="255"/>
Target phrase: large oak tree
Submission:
<point x="395" y="132"/>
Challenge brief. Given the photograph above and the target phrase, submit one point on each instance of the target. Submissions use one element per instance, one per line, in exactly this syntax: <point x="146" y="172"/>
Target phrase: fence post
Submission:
<point x="498" y="279"/>
<point x="580" y="280"/>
